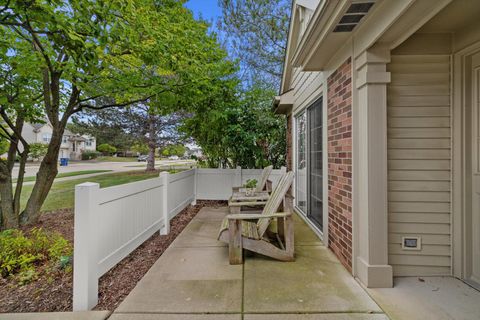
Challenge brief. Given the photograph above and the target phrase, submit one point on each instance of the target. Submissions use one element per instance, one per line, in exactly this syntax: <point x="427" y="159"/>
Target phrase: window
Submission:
<point x="88" y="143"/>
<point x="47" y="137"/>
<point x="301" y="163"/>
<point x="64" y="139"/>
<point x="309" y="163"/>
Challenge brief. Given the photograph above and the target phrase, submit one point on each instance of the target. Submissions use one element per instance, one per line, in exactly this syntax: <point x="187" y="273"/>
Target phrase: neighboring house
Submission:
<point x="72" y="147"/>
<point x="197" y="152"/>
<point x="383" y="106"/>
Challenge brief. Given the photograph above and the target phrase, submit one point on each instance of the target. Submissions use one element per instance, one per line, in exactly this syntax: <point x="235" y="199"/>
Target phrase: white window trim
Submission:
<point x="46" y="137"/>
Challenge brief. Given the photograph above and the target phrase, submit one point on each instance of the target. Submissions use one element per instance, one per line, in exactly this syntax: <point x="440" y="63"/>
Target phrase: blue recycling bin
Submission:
<point x="63" y="162"/>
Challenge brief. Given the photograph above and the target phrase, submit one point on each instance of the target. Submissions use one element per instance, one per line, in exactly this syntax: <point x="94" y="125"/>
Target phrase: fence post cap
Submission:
<point x="164" y="173"/>
<point x="87" y="185"/>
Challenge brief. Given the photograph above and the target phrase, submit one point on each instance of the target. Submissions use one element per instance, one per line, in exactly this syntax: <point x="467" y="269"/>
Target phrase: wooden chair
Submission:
<point x="251" y="231"/>
<point x="263" y="183"/>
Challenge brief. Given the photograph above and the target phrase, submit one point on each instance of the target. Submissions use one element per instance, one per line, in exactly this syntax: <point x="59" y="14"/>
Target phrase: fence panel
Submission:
<point x="216" y="184"/>
<point x="127" y="216"/>
<point x="181" y="191"/>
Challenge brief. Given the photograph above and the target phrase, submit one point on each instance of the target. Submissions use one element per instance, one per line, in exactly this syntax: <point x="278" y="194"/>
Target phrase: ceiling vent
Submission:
<point x="353" y="16"/>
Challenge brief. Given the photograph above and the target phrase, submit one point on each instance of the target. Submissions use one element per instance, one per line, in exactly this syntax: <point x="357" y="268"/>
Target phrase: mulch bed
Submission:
<point x="53" y="291"/>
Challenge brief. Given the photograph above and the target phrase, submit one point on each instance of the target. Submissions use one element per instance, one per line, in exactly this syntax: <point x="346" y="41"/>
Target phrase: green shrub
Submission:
<point x="140" y="148"/>
<point x="106" y="149"/>
<point x="89" y="155"/>
<point x="20" y="254"/>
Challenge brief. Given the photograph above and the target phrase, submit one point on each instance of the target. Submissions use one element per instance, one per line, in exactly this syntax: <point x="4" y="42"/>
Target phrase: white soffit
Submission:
<point x="284" y="102"/>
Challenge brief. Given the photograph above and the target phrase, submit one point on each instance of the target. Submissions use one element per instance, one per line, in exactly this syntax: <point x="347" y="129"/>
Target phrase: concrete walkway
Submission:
<point x="193" y="280"/>
<point x="429" y="298"/>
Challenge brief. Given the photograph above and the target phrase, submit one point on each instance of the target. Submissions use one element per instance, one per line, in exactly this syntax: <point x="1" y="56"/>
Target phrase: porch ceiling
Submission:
<point x="455" y="17"/>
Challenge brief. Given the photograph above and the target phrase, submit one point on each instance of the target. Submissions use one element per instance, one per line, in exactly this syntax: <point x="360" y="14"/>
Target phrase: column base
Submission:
<point x="374" y="276"/>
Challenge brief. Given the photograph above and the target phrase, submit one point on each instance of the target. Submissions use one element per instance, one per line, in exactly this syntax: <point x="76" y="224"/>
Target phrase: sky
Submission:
<point x="207" y="9"/>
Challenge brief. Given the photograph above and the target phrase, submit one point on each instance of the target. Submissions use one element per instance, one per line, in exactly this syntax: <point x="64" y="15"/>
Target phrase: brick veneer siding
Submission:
<point x="289" y="142"/>
<point x="339" y="115"/>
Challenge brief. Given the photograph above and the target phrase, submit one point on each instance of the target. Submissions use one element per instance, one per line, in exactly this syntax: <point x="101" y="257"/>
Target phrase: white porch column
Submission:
<point x="370" y="169"/>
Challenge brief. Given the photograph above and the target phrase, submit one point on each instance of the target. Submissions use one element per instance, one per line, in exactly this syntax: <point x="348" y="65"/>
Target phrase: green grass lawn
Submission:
<point x="66" y="174"/>
<point x="62" y="193"/>
<point x="117" y="159"/>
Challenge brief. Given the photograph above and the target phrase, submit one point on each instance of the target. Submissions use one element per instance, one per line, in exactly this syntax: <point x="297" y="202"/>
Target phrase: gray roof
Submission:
<point x="37" y="126"/>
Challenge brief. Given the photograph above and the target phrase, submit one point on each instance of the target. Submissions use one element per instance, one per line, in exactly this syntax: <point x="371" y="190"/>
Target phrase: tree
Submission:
<point x="106" y="149"/>
<point x="151" y="125"/>
<point x="174" y="150"/>
<point x="241" y="131"/>
<point x="106" y="126"/>
<point x="38" y="150"/>
<point x="140" y="148"/>
<point x="126" y="51"/>
<point x="257" y="34"/>
<point x="18" y="103"/>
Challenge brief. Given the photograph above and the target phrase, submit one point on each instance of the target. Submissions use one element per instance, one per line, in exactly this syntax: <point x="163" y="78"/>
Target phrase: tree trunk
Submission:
<point x="152" y="142"/>
<point x="8" y="217"/>
<point x="9" y="204"/>
<point x="20" y="178"/>
<point x="45" y="177"/>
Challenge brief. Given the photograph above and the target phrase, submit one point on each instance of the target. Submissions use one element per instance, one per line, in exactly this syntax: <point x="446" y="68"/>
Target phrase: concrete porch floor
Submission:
<point x="193" y="280"/>
<point x="428" y="298"/>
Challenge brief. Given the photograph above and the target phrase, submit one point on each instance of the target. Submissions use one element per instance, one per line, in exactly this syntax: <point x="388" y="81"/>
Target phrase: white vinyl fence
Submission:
<point x="112" y="222"/>
<point x="217" y="184"/>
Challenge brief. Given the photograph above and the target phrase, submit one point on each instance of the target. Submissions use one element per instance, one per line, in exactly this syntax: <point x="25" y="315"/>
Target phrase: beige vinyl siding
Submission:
<point x="307" y="86"/>
<point x="419" y="161"/>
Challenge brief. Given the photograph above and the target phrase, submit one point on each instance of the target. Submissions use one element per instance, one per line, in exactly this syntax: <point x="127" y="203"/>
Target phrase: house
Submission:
<point x="72" y="147"/>
<point x="193" y="151"/>
<point x="382" y="100"/>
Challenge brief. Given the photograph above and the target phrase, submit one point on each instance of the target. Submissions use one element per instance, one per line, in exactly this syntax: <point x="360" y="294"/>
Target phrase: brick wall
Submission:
<point x="339" y="113"/>
<point x="289" y="142"/>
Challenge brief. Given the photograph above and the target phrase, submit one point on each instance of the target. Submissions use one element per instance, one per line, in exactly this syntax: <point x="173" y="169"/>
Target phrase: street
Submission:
<point x="31" y="170"/>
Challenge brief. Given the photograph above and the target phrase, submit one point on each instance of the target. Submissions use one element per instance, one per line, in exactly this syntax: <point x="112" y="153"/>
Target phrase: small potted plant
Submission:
<point x="250" y="187"/>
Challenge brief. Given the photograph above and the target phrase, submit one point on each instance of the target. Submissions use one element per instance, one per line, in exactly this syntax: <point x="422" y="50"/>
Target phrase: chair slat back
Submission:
<point x="273" y="203"/>
<point x="263" y="178"/>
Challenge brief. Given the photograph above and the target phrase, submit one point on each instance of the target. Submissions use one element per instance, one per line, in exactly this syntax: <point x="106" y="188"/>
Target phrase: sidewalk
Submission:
<point x="193" y="280"/>
<point x="81" y="176"/>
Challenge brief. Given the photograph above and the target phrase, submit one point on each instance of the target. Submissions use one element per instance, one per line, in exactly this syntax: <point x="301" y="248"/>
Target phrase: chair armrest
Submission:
<point x="243" y="204"/>
<point x="247" y="216"/>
